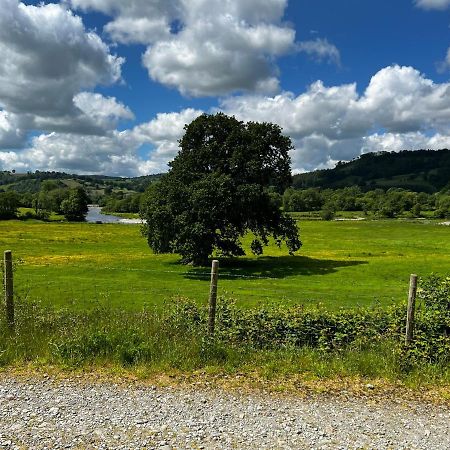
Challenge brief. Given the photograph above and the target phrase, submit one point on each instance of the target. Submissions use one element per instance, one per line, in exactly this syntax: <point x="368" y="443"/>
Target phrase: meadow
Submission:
<point x="94" y="297"/>
<point x="341" y="264"/>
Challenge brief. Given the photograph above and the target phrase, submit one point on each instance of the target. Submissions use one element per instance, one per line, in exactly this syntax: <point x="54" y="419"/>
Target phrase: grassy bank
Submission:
<point x="93" y="296"/>
<point x="266" y="344"/>
<point x="122" y="214"/>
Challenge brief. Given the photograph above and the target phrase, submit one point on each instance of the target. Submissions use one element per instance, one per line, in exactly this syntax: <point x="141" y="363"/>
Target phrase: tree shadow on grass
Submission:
<point x="271" y="267"/>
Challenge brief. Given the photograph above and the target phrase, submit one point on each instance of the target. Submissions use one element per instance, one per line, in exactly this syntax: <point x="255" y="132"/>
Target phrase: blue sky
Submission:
<point x="106" y="86"/>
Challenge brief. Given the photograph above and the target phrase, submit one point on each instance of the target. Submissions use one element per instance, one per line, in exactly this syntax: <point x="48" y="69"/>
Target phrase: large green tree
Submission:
<point x="225" y="181"/>
<point x="75" y="206"/>
<point x="9" y="202"/>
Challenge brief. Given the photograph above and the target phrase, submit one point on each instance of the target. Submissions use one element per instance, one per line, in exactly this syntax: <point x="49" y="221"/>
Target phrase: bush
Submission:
<point x="327" y="214"/>
<point x="28" y="215"/>
<point x="9" y="202"/>
<point x="432" y="328"/>
<point x="297" y="327"/>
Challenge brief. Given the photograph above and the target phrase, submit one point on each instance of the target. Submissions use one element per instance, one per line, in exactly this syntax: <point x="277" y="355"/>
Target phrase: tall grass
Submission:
<point x="273" y="343"/>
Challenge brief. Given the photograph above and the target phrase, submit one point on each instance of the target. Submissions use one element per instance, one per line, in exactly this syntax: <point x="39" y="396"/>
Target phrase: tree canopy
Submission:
<point x="75" y="206"/>
<point x="226" y="180"/>
<point x="9" y="202"/>
<point x="417" y="170"/>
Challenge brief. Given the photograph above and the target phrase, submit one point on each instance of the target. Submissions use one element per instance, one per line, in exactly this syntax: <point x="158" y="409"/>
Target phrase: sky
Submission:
<point x="107" y="86"/>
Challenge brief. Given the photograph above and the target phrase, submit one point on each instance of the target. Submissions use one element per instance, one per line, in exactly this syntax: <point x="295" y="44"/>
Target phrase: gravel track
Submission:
<point x="48" y="414"/>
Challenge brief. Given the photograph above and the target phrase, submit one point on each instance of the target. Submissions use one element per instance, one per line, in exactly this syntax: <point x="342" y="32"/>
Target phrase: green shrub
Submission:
<point x="327" y="214"/>
<point x="295" y="326"/>
<point x="432" y="328"/>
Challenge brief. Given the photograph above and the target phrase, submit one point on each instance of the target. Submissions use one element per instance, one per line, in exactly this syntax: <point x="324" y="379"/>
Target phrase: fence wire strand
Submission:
<point x="99" y="285"/>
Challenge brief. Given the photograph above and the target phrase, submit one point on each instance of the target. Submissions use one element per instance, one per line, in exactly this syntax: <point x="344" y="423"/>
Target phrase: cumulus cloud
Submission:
<point x="72" y="153"/>
<point x="203" y="47"/>
<point x="105" y="111"/>
<point x="136" y="21"/>
<point x="400" y="99"/>
<point x="328" y="124"/>
<point x="221" y="48"/>
<point x="399" y="109"/>
<point x="321" y="50"/>
<point x="109" y="154"/>
<point x="163" y="133"/>
<point x="47" y="59"/>
<point x="433" y="4"/>
<point x="116" y="153"/>
<point x="12" y="134"/>
<point x="398" y="141"/>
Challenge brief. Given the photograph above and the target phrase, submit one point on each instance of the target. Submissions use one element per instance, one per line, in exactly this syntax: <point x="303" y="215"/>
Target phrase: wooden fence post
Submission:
<point x="9" y="288"/>
<point x="411" y="309"/>
<point x="213" y="296"/>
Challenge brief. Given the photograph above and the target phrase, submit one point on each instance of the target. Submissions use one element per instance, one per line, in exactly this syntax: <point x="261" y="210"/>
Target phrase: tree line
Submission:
<point x="121" y="202"/>
<point x="390" y="203"/>
<point x="52" y="198"/>
<point x="418" y="171"/>
<point x="31" y="181"/>
<point x="72" y="203"/>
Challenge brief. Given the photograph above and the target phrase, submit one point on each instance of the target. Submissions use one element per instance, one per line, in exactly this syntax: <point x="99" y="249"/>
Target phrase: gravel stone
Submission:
<point x="48" y="414"/>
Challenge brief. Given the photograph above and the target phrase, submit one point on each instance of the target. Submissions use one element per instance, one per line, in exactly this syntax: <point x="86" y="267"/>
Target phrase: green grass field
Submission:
<point x="341" y="264"/>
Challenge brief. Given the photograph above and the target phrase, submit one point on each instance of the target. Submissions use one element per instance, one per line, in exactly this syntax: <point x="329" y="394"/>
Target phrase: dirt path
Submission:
<point x="43" y="413"/>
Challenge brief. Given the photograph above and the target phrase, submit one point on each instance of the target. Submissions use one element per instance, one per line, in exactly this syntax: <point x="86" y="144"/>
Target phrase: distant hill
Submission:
<point x="95" y="185"/>
<point x="419" y="170"/>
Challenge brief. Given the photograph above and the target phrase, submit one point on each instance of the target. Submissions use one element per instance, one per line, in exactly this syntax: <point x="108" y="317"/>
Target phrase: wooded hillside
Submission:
<point x="420" y="171"/>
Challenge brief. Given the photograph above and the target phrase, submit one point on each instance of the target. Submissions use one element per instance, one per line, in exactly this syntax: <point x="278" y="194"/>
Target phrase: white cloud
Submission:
<point x="11" y="133"/>
<point x="138" y="21"/>
<point x="400" y="99"/>
<point x="405" y="141"/>
<point x="75" y="153"/>
<point x="47" y="59"/>
<point x="105" y="111"/>
<point x="321" y="50"/>
<point x="329" y="124"/>
<point x="327" y="110"/>
<point x="116" y="153"/>
<point x="140" y="30"/>
<point x="163" y="133"/>
<point x="203" y="47"/>
<point x="209" y="47"/>
<point x="166" y="126"/>
<point x="219" y="51"/>
<point x="135" y="21"/>
<point x="399" y="109"/>
<point x="433" y="4"/>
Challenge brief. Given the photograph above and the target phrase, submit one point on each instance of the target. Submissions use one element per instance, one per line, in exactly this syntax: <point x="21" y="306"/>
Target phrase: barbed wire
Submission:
<point x="62" y="290"/>
<point x="225" y="271"/>
<point x="187" y="274"/>
<point x="224" y="275"/>
<point x="93" y="284"/>
<point x="36" y="280"/>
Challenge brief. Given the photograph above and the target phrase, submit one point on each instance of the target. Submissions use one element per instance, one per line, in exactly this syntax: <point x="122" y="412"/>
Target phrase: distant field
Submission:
<point x="340" y="264"/>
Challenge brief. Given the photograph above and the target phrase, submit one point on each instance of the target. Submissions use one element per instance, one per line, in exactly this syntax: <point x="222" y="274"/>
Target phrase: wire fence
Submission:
<point x="71" y="283"/>
<point x="82" y="289"/>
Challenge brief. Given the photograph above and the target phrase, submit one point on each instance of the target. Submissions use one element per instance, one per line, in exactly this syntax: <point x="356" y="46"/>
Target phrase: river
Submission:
<point x="94" y="215"/>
